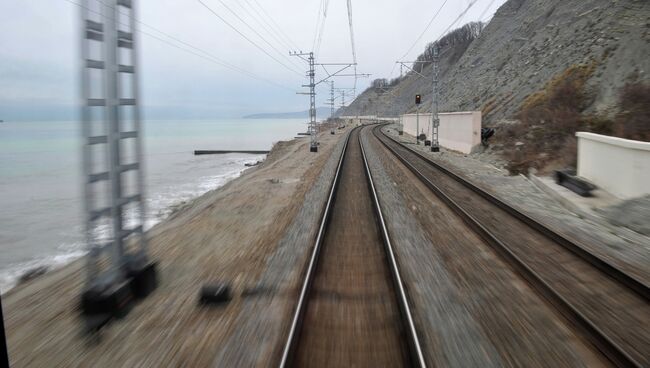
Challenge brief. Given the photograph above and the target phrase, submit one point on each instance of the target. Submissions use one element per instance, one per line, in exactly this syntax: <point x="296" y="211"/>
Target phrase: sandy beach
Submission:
<point x="233" y="234"/>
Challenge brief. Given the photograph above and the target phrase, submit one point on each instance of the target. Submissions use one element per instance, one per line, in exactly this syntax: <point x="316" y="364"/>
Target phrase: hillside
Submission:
<point x="525" y="45"/>
<point x="535" y="60"/>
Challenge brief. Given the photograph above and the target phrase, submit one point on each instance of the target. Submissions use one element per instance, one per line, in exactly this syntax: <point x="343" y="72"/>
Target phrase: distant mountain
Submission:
<point x="321" y="112"/>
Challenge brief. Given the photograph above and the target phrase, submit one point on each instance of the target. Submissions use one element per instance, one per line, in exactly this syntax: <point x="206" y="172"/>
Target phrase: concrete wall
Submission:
<point x="620" y="166"/>
<point x="458" y="131"/>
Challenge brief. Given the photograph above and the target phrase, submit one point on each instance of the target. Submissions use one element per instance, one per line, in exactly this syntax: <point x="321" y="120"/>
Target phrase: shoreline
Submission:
<point x="46" y="265"/>
<point x="228" y="234"/>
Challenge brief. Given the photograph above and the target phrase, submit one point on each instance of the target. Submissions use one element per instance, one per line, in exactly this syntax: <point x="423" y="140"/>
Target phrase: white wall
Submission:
<point x="409" y="123"/>
<point x="458" y="131"/>
<point x="620" y="166"/>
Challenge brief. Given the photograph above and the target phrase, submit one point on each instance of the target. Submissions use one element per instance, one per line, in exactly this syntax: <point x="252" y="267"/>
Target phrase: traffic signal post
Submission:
<point x="418" y="101"/>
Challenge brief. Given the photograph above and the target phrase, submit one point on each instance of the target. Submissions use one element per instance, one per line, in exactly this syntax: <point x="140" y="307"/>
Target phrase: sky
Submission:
<point x="183" y="44"/>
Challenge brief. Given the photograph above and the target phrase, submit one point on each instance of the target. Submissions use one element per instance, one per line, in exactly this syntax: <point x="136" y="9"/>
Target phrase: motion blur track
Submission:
<point x="352" y="310"/>
<point x="604" y="304"/>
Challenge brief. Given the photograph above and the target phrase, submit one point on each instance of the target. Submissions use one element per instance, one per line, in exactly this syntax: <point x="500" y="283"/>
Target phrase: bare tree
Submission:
<point x="465" y="34"/>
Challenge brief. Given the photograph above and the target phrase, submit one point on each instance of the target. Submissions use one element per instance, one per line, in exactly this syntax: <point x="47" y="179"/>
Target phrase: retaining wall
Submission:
<point x="620" y="166"/>
<point x="458" y="131"/>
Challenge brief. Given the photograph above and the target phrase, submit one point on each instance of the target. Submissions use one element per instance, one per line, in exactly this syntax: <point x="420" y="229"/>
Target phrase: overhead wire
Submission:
<point x="469" y="6"/>
<point x="285" y="55"/>
<point x="425" y="29"/>
<point x="461" y="15"/>
<point x="320" y="7"/>
<point x="486" y="10"/>
<point x="265" y="12"/>
<point x="199" y="52"/>
<point x="322" y="27"/>
<point x="354" y="51"/>
<point x="246" y="37"/>
<point x="263" y="23"/>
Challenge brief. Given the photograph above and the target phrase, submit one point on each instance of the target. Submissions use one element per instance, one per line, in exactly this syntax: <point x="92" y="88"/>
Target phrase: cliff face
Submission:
<point x="525" y="45"/>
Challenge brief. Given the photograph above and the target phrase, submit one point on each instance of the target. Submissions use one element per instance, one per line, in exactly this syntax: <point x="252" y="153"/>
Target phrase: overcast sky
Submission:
<point x="39" y="56"/>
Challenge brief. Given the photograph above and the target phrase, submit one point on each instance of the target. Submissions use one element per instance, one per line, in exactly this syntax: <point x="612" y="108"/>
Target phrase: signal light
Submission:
<point x="418" y="99"/>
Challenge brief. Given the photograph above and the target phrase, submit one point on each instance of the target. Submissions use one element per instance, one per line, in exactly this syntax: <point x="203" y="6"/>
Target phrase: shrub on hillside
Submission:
<point x="633" y="120"/>
<point x="549" y="119"/>
<point x="464" y="34"/>
<point x="545" y="138"/>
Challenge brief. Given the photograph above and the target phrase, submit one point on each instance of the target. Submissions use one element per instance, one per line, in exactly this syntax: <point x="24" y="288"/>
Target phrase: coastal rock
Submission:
<point x="32" y="274"/>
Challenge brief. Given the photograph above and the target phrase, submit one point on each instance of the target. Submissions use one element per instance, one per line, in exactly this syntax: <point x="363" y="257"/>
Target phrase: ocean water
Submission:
<point x="41" y="218"/>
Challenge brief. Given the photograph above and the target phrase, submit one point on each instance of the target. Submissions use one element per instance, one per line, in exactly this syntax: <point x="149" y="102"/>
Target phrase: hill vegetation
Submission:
<point x="538" y="71"/>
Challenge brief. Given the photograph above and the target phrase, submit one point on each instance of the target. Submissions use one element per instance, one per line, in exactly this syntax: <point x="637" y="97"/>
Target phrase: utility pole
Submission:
<point x="118" y="267"/>
<point x="435" y="121"/>
<point x="417" y="125"/>
<point x="331" y="102"/>
<point x="309" y="58"/>
<point x="312" y="130"/>
<point x="418" y="100"/>
<point x="4" y="355"/>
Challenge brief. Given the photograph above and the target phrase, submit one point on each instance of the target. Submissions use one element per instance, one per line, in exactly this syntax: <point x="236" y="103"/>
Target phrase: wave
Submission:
<point x="158" y="206"/>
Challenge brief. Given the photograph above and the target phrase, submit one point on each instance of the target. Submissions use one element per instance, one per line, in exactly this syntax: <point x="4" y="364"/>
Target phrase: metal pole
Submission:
<point x="435" y="122"/>
<point x="331" y="99"/>
<point x="87" y="152"/>
<point x="312" y="104"/>
<point x="139" y="151"/>
<point x="4" y="354"/>
<point x="417" y="125"/>
<point x="111" y="93"/>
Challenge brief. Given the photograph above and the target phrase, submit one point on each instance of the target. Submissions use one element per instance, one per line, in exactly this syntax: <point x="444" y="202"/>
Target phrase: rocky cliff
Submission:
<point x="525" y="45"/>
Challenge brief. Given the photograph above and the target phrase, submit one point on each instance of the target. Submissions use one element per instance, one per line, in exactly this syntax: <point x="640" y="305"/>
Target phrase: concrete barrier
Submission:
<point x="619" y="166"/>
<point x="458" y="131"/>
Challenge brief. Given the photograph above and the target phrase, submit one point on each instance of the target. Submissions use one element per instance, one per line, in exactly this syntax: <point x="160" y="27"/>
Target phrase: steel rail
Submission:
<point x="638" y="286"/>
<point x="414" y="341"/>
<point x="596" y="336"/>
<point x="415" y="349"/>
<point x="299" y="313"/>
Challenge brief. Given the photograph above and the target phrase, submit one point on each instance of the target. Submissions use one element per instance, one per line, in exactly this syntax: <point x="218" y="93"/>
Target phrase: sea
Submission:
<point x="41" y="201"/>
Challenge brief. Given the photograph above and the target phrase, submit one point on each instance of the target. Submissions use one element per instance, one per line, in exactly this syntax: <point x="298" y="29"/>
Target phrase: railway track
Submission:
<point x="352" y="309"/>
<point x="605" y="305"/>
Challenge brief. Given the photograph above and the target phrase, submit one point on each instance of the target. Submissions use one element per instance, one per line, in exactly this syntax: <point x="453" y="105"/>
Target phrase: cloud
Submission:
<point x="39" y="59"/>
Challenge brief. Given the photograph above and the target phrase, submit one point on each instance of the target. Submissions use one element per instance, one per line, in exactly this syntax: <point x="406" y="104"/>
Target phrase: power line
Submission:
<point x="322" y="27"/>
<point x="320" y="6"/>
<point x="279" y="29"/>
<point x="486" y="10"/>
<point x="425" y="29"/>
<point x="354" y="51"/>
<point x="469" y="6"/>
<point x="254" y="31"/>
<point x="201" y="53"/>
<point x="246" y="37"/>
<point x="259" y="19"/>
